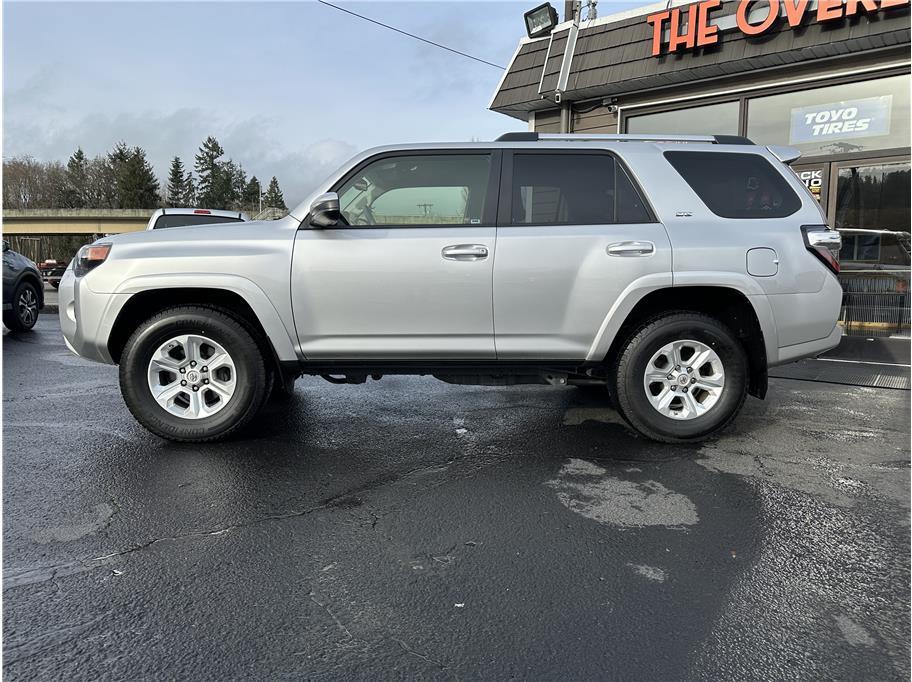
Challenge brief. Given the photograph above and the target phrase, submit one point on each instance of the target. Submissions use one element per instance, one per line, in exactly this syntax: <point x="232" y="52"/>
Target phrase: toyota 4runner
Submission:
<point x="672" y="270"/>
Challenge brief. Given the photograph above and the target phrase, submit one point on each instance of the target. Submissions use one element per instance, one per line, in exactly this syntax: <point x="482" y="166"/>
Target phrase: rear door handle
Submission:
<point x="465" y="252"/>
<point x="629" y="249"/>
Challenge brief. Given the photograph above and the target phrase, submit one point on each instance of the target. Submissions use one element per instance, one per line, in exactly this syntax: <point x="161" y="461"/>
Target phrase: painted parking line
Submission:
<point x="864" y="362"/>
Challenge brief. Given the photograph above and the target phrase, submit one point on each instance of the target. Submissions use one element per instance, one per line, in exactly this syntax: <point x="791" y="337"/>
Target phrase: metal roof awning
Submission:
<point x="613" y="56"/>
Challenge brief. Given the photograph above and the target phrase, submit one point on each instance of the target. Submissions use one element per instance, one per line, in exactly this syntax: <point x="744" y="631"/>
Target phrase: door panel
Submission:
<point x="407" y="274"/>
<point x="573" y="233"/>
<point x="553" y="289"/>
<point x="391" y="293"/>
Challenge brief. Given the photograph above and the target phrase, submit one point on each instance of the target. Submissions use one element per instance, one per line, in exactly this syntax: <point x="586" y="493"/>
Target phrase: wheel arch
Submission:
<point x="35" y="280"/>
<point x="727" y="304"/>
<point x="144" y="304"/>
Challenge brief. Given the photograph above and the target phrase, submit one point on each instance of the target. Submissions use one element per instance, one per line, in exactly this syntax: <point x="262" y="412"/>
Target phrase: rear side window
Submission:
<point x="736" y="185"/>
<point x="573" y="189"/>
<point x="178" y="220"/>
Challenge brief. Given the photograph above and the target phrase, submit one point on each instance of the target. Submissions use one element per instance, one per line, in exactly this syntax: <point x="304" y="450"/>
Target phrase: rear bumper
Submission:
<point x="808" y="349"/>
<point x="86" y="317"/>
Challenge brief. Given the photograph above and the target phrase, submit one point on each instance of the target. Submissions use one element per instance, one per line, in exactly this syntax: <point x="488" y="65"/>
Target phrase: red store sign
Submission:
<point x="691" y="26"/>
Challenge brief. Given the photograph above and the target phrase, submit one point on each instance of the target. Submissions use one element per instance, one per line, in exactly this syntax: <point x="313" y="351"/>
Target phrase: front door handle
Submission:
<point x="465" y="252"/>
<point x="628" y="249"/>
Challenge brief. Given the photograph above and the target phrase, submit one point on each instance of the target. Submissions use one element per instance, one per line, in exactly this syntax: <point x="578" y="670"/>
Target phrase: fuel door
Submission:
<point x="762" y="262"/>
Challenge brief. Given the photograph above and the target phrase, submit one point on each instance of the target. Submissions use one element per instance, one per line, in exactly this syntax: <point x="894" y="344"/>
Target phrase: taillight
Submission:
<point x="202" y="211"/>
<point x="823" y="243"/>
<point x="90" y="257"/>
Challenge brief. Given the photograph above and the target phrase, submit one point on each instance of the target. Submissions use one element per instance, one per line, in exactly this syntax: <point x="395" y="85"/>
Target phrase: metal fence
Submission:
<point x="875" y="303"/>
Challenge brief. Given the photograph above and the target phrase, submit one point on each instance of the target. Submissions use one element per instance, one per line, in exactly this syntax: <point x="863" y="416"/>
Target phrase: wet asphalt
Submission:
<point x="411" y="529"/>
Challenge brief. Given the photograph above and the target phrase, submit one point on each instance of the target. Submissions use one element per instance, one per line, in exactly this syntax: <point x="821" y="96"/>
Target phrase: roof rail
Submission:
<point x="518" y="137"/>
<point x="582" y="137"/>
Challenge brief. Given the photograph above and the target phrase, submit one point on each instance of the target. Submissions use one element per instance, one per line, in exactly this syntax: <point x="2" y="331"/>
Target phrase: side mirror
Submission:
<point x="325" y="211"/>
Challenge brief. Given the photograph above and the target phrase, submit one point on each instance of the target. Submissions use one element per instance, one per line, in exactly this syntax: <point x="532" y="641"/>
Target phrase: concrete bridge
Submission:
<point x="69" y="221"/>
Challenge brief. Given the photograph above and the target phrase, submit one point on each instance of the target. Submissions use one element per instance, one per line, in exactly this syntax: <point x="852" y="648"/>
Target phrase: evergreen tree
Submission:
<point x="211" y="185"/>
<point x="190" y="196"/>
<point x="273" y="197"/>
<point x="238" y="183"/>
<point x="117" y="159"/>
<point x="76" y="191"/>
<point x="250" y="199"/>
<point x="137" y="186"/>
<point x="177" y="184"/>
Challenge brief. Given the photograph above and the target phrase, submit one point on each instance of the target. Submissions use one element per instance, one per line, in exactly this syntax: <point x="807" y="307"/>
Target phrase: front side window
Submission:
<point x="573" y="189"/>
<point x="735" y="185"/>
<point x="432" y="189"/>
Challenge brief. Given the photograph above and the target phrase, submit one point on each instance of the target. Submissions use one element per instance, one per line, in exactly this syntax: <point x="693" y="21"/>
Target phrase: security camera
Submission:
<point x="611" y="109"/>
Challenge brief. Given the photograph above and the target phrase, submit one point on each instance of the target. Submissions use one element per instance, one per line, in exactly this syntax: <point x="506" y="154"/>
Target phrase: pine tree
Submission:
<point x="211" y="186"/>
<point x="238" y="185"/>
<point x="117" y="159"/>
<point x="273" y="197"/>
<point x="230" y="185"/>
<point x="250" y="199"/>
<point x="177" y="184"/>
<point x="137" y="186"/>
<point x="190" y="196"/>
<point x="76" y="191"/>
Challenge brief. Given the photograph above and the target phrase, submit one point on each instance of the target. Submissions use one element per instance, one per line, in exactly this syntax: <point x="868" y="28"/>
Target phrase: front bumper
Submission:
<point x="87" y="317"/>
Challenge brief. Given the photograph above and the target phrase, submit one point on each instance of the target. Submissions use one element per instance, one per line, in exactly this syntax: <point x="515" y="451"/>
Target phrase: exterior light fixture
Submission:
<point x="541" y="20"/>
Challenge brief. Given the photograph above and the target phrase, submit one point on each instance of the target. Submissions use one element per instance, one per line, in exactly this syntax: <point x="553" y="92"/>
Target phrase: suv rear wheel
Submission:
<point x="193" y="374"/>
<point x="681" y="377"/>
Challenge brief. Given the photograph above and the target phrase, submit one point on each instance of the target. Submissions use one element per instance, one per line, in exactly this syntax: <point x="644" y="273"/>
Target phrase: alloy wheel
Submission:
<point x="192" y="376"/>
<point x="684" y="379"/>
<point x="27" y="306"/>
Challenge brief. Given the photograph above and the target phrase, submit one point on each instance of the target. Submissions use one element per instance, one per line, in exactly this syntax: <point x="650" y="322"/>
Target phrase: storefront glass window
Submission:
<point x="872" y="211"/>
<point x="712" y="119"/>
<point x="838" y="119"/>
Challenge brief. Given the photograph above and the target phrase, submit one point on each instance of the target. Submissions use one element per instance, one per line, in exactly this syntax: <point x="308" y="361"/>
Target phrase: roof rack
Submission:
<point x="583" y="137"/>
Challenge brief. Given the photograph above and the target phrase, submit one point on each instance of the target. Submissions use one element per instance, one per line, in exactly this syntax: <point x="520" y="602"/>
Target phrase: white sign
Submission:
<point x="869" y="117"/>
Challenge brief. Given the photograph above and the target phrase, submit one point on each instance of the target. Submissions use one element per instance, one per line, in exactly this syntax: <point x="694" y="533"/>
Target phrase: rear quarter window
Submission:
<point x="736" y="185"/>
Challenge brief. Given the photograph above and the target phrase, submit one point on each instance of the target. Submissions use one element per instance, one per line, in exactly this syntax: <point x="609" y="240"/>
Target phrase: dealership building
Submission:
<point x="829" y="77"/>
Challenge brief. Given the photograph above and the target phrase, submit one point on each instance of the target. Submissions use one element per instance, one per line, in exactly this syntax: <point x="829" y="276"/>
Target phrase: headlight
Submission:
<point x="90" y="257"/>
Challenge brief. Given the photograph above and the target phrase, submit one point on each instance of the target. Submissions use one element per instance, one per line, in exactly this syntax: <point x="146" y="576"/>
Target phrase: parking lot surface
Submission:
<point x="408" y="528"/>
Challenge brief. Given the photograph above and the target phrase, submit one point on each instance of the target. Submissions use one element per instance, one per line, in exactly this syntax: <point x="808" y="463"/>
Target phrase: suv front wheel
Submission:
<point x="193" y="374"/>
<point x="681" y="377"/>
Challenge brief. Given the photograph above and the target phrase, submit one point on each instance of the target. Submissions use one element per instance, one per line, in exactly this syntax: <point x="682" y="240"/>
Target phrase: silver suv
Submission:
<point x="672" y="270"/>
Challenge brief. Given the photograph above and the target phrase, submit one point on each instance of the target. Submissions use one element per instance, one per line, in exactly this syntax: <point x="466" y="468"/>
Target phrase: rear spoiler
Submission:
<point x="786" y="155"/>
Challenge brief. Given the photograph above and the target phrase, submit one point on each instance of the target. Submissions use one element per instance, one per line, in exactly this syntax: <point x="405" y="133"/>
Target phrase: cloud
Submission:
<point x="251" y="141"/>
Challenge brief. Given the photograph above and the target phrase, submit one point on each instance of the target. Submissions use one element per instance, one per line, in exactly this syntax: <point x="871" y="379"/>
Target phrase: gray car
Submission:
<point x="23" y="292"/>
<point x="672" y="271"/>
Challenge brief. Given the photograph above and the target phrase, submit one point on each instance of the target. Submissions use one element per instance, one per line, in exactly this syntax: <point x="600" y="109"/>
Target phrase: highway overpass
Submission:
<point x="72" y="221"/>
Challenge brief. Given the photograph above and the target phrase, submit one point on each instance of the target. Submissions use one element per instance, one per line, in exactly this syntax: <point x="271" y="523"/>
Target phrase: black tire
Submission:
<point x="18" y="318"/>
<point x="633" y="403"/>
<point x="231" y="333"/>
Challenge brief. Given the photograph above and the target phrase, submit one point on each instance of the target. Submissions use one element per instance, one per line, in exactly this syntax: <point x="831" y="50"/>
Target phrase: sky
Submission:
<point x="290" y="89"/>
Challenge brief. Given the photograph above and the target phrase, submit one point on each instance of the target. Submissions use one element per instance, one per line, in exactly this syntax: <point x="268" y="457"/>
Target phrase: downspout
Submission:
<point x="566" y="122"/>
